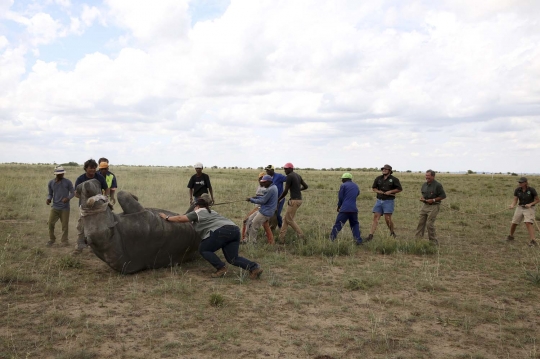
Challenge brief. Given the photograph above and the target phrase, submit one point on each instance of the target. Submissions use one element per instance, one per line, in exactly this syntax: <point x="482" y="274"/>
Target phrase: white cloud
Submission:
<point x="323" y="81"/>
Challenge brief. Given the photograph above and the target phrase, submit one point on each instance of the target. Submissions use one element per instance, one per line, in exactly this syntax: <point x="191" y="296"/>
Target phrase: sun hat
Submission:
<point x="522" y="180"/>
<point x="269" y="167"/>
<point x="266" y="178"/>
<point x="103" y="165"/>
<point x="58" y="170"/>
<point x="386" y="167"/>
<point x="346" y="175"/>
<point x="288" y="165"/>
<point x="198" y="165"/>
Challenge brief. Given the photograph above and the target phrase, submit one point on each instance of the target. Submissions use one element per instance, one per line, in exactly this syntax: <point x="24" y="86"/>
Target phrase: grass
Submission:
<point x="474" y="296"/>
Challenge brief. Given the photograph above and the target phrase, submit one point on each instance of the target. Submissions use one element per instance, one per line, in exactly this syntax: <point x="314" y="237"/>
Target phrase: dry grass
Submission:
<point x="475" y="296"/>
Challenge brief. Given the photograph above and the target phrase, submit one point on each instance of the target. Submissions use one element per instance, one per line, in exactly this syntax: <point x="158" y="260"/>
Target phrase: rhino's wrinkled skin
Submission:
<point x="136" y="239"/>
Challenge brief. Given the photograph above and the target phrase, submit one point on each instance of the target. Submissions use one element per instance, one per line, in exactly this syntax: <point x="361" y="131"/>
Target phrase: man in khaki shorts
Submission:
<point x="527" y="197"/>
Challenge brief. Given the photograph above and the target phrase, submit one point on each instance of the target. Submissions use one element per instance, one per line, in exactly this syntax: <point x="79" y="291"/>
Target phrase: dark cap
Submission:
<point x="522" y="180"/>
<point x="386" y="167"/>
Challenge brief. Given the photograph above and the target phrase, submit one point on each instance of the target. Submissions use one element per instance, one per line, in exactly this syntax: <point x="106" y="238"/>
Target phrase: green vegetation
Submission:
<point x="474" y="296"/>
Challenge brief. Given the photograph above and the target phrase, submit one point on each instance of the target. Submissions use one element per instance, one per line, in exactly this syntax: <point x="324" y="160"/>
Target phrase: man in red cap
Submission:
<point x="295" y="184"/>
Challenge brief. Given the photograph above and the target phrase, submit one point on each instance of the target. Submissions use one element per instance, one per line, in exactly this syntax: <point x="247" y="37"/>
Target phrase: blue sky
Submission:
<point x="416" y="84"/>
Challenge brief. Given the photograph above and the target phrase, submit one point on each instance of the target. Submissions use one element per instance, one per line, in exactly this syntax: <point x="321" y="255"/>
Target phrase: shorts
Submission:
<point x="384" y="206"/>
<point x="524" y="214"/>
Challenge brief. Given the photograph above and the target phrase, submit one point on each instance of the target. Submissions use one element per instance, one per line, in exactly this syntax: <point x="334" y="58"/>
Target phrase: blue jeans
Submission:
<point x="343" y="217"/>
<point x="279" y="208"/>
<point x="228" y="239"/>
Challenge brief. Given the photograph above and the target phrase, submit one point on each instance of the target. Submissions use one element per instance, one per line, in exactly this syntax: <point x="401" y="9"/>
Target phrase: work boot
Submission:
<point x="510" y="238"/>
<point x="220" y="273"/>
<point x="533" y="243"/>
<point x="434" y="242"/>
<point x="50" y="244"/>
<point x="369" y="238"/>
<point x="255" y="273"/>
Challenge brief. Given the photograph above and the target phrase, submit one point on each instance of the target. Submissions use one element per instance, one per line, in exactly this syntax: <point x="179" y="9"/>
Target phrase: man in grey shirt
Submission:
<point x="60" y="192"/>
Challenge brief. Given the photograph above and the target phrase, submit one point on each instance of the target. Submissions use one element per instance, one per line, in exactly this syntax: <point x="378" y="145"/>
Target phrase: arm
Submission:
<point x="341" y="195"/>
<point x="514" y="202"/>
<point x="536" y="200"/>
<point x="211" y="194"/>
<point x="262" y="199"/>
<point x="182" y="218"/>
<point x="50" y="195"/>
<point x="191" y="195"/>
<point x="71" y="193"/>
<point x="303" y="185"/>
<point x="285" y="191"/>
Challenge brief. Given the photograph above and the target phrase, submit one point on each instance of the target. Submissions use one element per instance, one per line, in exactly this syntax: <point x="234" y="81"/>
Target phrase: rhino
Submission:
<point x="136" y="239"/>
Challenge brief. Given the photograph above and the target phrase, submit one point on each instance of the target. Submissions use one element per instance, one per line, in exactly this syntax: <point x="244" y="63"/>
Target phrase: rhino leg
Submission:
<point x="129" y="202"/>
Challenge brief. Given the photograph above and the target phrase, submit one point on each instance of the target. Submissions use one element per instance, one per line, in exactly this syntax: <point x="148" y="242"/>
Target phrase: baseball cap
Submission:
<point x="198" y="165"/>
<point x="269" y="167"/>
<point x="346" y="175"/>
<point x="522" y="180"/>
<point x="288" y="165"/>
<point x="266" y="178"/>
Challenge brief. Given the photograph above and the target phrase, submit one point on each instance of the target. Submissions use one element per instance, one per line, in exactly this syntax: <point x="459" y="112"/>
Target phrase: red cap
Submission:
<point x="288" y="165"/>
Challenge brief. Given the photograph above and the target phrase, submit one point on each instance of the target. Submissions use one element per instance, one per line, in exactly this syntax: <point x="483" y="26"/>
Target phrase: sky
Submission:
<point x="444" y="85"/>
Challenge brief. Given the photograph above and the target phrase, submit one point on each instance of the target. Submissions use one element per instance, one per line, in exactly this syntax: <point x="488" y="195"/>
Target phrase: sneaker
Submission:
<point x="49" y="243"/>
<point x="510" y="238"/>
<point x="220" y="273"/>
<point x="393" y="235"/>
<point x="533" y="243"/>
<point x="76" y="252"/>
<point x="255" y="273"/>
<point x="369" y="238"/>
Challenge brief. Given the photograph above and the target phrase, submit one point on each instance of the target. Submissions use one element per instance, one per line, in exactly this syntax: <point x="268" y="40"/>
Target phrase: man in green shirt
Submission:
<point x="432" y="195"/>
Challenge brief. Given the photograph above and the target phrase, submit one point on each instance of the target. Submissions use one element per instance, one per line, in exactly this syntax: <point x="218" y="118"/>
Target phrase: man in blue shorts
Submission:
<point x="386" y="186"/>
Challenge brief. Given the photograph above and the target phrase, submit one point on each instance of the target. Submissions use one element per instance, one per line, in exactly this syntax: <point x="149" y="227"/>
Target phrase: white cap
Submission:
<point x="198" y="165"/>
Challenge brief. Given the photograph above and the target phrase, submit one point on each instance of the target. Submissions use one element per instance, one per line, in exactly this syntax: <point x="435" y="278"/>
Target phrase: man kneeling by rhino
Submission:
<point x="216" y="232"/>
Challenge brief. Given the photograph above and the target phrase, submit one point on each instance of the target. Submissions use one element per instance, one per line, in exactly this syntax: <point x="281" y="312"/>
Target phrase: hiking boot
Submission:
<point x="533" y="243"/>
<point x="369" y="238"/>
<point x="510" y="238"/>
<point x="255" y="273"/>
<point x="220" y="273"/>
<point x="393" y="234"/>
<point x="50" y="244"/>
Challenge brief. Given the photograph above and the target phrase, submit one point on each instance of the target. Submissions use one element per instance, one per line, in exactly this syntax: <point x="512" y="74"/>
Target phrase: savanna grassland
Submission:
<point x="474" y="296"/>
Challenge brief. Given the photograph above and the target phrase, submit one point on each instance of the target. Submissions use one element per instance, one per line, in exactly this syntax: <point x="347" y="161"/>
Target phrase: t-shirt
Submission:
<point x="59" y="190"/>
<point x="204" y="223"/>
<point x="294" y="181"/>
<point x="525" y="197"/>
<point x="200" y="184"/>
<point x="385" y="185"/>
<point x="83" y="178"/>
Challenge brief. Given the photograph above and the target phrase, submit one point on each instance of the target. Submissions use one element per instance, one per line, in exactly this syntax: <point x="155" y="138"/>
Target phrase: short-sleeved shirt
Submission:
<point x="433" y="190"/>
<point x="205" y="223"/>
<point x="525" y="197"/>
<point x="83" y="178"/>
<point x="385" y="185"/>
<point x="111" y="180"/>
<point x="58" y="191"/>
<point x="294" y="181"/>
<point x="199" y="184"/>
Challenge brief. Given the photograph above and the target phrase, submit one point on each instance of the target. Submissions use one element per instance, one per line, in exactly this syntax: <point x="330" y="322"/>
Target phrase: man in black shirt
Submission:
<point x="296" y="184"/>
<point x="198" y="184"/>
<point x="528" y="198"/>
<point x="386" y="186"/>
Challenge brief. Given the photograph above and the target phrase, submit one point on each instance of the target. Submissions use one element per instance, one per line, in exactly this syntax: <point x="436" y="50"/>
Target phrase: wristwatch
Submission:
<point x="167" y="218"/>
